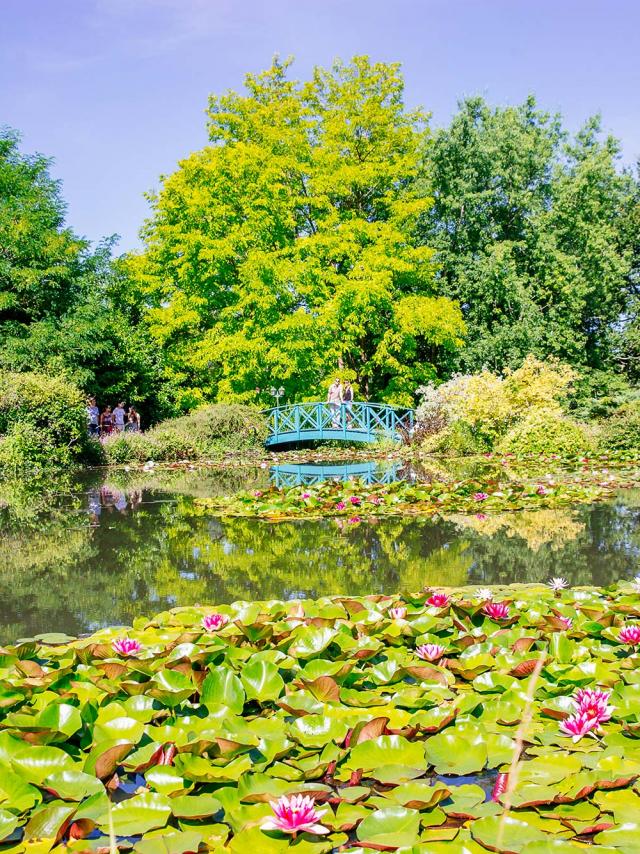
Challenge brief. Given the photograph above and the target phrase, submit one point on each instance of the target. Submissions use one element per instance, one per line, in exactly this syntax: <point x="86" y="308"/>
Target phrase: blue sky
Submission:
<point x="115" y="90"/>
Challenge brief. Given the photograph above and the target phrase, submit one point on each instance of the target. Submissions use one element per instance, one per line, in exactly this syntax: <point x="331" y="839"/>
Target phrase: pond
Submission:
<point x="103" y="549"/>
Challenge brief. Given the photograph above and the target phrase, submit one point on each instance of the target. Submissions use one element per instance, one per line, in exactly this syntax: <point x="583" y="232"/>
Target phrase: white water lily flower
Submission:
<point x="484" y="593"/>
<point x="636" y="584"/>
<point x="558" y="583"/>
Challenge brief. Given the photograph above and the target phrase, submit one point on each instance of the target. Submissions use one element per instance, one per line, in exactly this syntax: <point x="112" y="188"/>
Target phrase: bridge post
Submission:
<point x="275" y="422"/>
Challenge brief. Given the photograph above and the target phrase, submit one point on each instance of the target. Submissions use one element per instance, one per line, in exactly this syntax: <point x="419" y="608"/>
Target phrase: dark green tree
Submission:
<point x="528" y="227"/>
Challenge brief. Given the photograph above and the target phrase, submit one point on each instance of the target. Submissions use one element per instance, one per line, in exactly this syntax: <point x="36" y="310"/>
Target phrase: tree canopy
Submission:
<point x="286" y="250"/>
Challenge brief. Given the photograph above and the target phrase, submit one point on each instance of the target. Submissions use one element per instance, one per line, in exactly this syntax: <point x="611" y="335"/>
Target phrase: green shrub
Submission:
<point x="621" y="433"/>
<point x="459" y="439"/>
<point x="546" y="431"/>
<point x="207" y="433"/>
<point x="42" y="419"/>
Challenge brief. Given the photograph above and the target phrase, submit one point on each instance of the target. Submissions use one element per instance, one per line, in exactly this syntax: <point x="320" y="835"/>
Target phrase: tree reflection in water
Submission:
<point x="75" y="556"/>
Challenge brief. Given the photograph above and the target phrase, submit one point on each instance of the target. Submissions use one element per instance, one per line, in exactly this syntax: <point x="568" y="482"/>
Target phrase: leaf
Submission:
<point x="505" y="834"/>
<point x="222" y="687"/>
<point x="392" y="826"/>
<point x="180" y="842"/>
<point x="457" y="750"/>
<point x="262" y="681"/>
<point x="138" y="814"/>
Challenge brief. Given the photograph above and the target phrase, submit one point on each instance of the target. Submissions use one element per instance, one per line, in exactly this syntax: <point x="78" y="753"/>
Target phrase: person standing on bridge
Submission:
<point x="347" y="399"/>
<point x="334" y="399"/>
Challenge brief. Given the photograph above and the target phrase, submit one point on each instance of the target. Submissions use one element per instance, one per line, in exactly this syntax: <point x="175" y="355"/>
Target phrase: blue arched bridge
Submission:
<point x="360" y="422"/>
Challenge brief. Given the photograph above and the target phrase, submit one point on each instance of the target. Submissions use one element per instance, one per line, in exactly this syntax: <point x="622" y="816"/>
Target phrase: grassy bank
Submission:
<point x="430" y="722"/>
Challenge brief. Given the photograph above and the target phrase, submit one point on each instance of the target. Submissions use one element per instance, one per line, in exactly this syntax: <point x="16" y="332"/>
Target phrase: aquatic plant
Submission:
<point x="331" y="724"/>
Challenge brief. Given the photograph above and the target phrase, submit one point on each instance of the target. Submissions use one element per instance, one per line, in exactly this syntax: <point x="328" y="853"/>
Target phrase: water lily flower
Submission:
<point x="594" y="703"/>
<point x="496" y="610"/>
<point x="294" y="815"/>
<point x="354" y="520"/>
<point x="578" y="725"/>
<point x="484" y="593"/>
<point x="340" y="505"/>
<point x="481" y="516"/>
<point x="542" y="489"/>
<point x="630" y="635"/>
<point x="430" y="651"/>
<point x="257" y="493"/>
<point x="636" y="584"/>
<point x="438" y="600"/>
<point x="398" y="613"/>
<point x="480" y="496"/>
<point x="355" y="499"/>
<point x="557" y="584"/>
<point x="126" y="646"/>
<point x="376" y="499"/>
<point x="567" y="622"/>
<point x="500" y="786"/>
<point x="306" y="495"/>
<point x="214" y="622"/>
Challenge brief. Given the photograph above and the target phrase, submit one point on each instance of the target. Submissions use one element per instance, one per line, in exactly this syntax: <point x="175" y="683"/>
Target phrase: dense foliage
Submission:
<point x="207" y="433"/>
<point x="64" y="309"/>
<point x="536" y="236"/>
<point x="42" y="421"/>
<point x="429" y="721"/>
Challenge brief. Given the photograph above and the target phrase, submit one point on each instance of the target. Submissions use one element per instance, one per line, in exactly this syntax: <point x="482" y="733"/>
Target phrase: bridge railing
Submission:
<point x="360" y="421"/>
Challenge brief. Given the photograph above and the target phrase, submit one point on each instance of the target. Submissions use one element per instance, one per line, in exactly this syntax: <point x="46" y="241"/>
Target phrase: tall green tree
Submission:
<point x="285" y="251"/>
<point x="64" y="309"/>
<point x="528" y="228"/>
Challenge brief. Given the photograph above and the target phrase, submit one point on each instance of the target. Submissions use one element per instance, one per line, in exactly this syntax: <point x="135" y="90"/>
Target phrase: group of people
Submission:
<point x="115" y="420"/>
<point x="340" y="394"/>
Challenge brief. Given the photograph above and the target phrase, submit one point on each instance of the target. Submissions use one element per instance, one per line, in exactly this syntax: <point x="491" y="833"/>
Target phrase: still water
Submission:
<point x="101" y="550"/>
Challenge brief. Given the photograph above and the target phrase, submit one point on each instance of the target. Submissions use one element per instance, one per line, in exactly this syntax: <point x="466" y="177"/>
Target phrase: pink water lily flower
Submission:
<point x="630" y="635"/>
<point x="578" y="725"/>
<point x="126" y="646"/>
<point x="567" y="622"/>
<point x="398" y="613"/>
<point x="257" y="493"/>
<point x="541" y="490"/>
<point x="375" y="499"/>
<point x="354" y="520"/>
<point x="214" y="622"/>
<point x="480" y="496"/>
<point x="306" y="495"/>
<point x="481" y="516"/>
<point x="340" y="505"/>
<point x="294" y="815"/>
<point x="356" y="500"/>
<point x="496" y="610"/>
<point x="438" y="600"/>
<point x="430" y="651"/>
<point x="593" y="703"/>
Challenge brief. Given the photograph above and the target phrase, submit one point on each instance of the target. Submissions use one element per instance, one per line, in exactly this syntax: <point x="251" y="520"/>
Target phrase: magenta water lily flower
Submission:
<point x="354" y="520"/>
<point x="257" y="493"/>
<point x="630" y="635"/>
<point x="398" y="613"/>
<point x="480" y="496"/>
<point x="126" y="646"/>
<point x="356" y="500"/>
<point x="306" y="495"/>
<point x="430" y="651"/>
<point x="496" y="610"/>
<point x="340" y="505"/>
<point x="294" y="815"/>
<point x="579" y="725"/>
<point x="214" y="622"/>
<point x="438" y="600"/>
<point x="594" y="703"/>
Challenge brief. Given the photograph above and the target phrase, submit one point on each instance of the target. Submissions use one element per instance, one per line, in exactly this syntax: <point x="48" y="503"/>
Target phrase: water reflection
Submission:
<point x="75" y="556"/>
<point x="372" y="471"/>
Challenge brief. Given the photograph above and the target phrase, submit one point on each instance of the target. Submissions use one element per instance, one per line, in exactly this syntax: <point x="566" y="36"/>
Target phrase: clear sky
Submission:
<point x="115" y="90"/>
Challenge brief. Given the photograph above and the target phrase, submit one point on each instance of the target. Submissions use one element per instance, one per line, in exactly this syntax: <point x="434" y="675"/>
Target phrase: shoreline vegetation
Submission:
<point x="448" y="719"/>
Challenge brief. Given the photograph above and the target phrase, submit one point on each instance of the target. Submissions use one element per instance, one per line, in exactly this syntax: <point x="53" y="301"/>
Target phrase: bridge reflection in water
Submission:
<point x="372" y="471"/>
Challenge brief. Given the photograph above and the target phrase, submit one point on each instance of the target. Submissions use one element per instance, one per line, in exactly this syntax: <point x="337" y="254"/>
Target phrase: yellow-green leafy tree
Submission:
<point x="286" y="250"/>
